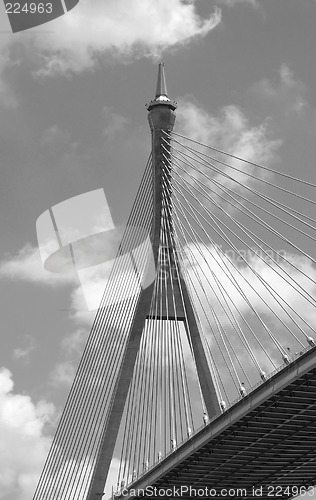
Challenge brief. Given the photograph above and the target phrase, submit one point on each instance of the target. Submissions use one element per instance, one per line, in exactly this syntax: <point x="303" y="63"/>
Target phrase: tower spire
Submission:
<point x="161" y="91"/>
<point x="161" y="96"/>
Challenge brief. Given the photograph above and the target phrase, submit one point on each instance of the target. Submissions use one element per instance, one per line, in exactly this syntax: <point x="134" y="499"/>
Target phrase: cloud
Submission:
<point x="60" y="478"/>
<point x="287" y="90"/>
<point x="229" y="131"/>
<point x="87" y="286"/>
<point x="89" y="243"/>
<point x="56" y="138"/>
<point x="72" y="348"/>
<point x="233" y="3"/>
<point x="206" y="261"/>
<point x="116" y="29"/>
<point x="23" y="441"/>
<point x="216" y="298"/>
<point x="268" y="270"/>
<point x="7" y="96"/>
<point x="23" y="353"/>
<point x="87" y="297"/>
<point x="115" y="123"/>
<point x="26" y="265"/>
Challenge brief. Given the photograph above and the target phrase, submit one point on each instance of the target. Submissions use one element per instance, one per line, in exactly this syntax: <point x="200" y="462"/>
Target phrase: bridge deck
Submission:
<point x="266" y="440"/>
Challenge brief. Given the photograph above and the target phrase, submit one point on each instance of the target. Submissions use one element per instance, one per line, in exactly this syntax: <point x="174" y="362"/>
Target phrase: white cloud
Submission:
<point x="28" y="346"/>
<point x="56" y="137"/>
<point x="232" y="3"/>
<point x="70" y="475"/>
<point x="7" y="97"/>
<point x="118" y="29"/>
<point x="87" y="290"/>
<point x="87" y="281"/>
<point x="229" y="131"/>
<point x="72" y="348"/>
<point x="217" y="297"/>
<point x="287" y="90"/>
<point x="23" y="443"/>
<point x="207" y="259"/>
<point x="114" y="123"/>
<point x="87" y="297"/>
<point x="26" y="265"/>
<point x="63" y="374"/>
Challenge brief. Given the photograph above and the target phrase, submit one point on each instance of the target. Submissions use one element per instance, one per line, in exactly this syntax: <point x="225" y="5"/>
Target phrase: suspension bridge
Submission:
<point x="199" y="374"/>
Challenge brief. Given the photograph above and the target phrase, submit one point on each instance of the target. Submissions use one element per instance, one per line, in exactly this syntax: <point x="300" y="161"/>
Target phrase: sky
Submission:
<point x="73" y="120"/>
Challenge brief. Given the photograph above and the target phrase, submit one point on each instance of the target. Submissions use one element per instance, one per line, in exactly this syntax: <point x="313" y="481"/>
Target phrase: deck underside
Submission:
<point x="266" y="441"/>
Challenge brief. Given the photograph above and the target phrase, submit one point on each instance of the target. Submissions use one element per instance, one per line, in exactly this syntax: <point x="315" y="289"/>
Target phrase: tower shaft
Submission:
<point x="177" y="302"/>
<point x="161" y="118"/>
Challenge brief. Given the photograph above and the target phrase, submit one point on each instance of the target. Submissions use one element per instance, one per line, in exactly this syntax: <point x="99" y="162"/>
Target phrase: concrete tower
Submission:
<point x="161" y="116"/>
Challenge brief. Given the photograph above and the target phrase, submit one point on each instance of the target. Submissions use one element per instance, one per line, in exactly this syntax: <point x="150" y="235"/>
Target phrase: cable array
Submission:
<point x="164" y="404"/>
<point x="255" y="301"/>
<point x="240" y="246"/>
<point x="69" y="465"/>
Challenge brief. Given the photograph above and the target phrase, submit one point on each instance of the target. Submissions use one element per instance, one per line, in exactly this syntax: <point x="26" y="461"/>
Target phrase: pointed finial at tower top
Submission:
<point x="161" y="90"/>
<point x="161" y="96"/>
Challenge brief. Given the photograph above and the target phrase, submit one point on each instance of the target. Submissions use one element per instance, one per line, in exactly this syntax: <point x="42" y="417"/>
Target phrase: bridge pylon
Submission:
<point x="174" y="295"/>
